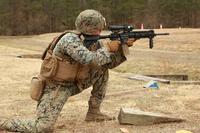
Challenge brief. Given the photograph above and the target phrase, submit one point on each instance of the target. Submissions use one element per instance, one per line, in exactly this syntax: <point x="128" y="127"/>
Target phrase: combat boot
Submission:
<point x="94" y="113"/>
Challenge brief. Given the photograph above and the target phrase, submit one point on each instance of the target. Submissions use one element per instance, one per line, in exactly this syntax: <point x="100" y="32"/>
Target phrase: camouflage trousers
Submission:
<point x="52" y="102"/>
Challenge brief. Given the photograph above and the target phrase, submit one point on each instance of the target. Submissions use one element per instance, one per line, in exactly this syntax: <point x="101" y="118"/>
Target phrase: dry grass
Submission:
<point x="176" y="54"/>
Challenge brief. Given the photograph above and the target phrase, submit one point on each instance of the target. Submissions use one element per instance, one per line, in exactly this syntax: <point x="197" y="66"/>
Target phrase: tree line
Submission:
<point x="25" y="17"/>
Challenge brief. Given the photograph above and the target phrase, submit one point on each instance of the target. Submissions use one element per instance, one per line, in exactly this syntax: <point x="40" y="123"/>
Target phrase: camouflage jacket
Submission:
<point x="71" y="48"/>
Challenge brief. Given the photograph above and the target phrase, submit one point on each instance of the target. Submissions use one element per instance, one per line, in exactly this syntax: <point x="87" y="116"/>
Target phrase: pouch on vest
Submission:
<point x="37" y="86"/>
<point x="49" y="66"/>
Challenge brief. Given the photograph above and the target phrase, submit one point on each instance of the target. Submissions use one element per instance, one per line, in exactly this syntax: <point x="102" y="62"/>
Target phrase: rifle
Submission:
<point x="124" y="32"/>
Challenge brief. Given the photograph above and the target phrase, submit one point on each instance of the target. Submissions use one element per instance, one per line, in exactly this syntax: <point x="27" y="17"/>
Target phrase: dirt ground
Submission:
<point x="174" y="54"/>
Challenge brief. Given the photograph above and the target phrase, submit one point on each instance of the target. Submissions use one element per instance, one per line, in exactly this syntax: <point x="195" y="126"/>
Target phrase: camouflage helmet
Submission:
<point x="90" y="22"/>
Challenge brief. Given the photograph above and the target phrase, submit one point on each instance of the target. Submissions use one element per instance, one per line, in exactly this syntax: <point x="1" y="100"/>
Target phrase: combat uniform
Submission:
<point x="70" y="47"/>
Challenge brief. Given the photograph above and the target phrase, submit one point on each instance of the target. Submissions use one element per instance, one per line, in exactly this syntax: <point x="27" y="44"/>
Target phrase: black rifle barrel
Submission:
<point x="132" y="34"/>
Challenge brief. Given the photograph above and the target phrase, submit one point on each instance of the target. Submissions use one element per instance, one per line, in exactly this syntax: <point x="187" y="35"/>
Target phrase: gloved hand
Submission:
<point x="130" y="42"/>
<point x="112" y="46"/>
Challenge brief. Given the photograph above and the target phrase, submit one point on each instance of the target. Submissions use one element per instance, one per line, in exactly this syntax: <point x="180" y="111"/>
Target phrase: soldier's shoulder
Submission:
<point x="71" y="37"/>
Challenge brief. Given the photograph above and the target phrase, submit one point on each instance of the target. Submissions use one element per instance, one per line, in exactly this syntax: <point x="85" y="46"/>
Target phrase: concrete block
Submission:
<point x="138" y="117"/>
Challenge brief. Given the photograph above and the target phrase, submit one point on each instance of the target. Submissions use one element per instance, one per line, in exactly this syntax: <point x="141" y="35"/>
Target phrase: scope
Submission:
<point x="120" y="28"/>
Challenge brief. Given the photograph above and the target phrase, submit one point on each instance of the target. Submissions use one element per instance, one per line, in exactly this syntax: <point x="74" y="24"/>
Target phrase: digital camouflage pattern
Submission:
<point x="89" y="22"/>
<point x="71" y="46"/>
<point x="48" y="110"/>
<point x="55" y="95"/>
<point x="51" y="104"/>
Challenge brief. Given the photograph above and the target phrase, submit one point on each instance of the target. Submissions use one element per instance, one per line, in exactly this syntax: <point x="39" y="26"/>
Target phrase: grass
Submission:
<point x="170" y="56"/>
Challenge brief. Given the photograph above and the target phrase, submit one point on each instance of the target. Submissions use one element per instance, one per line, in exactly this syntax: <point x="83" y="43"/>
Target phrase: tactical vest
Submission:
<point x="59" y="69"/>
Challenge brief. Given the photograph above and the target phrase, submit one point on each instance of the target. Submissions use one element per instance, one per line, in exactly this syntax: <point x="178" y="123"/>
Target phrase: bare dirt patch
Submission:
<point x="174" y="54"/>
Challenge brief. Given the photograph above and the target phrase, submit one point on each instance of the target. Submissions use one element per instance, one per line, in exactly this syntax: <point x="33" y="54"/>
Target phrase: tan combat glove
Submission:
<point x="130" y="42"/>
<point x="113" y="46"/>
